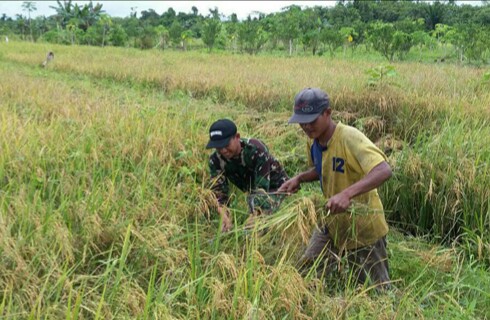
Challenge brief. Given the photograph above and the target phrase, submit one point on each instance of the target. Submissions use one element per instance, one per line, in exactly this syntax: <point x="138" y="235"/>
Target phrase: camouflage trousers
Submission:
<point x="367" y="263"/>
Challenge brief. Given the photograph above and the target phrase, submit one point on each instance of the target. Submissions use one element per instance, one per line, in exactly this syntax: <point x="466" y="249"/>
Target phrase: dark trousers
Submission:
<point x="368" y="263"/>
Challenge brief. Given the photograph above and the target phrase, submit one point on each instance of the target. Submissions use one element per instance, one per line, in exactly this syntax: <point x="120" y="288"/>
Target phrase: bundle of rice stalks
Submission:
<point x="389" y="143"/>
<point x="297" y="217"/>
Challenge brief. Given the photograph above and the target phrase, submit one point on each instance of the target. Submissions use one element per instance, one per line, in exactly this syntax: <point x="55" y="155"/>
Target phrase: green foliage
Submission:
<point x="486" y="78"/>
<point x="87" y="15"/>
<point x="289" y="25"/>
<point x="390" y="27"/>
<point x="175" y="32"/>
<point x="380" y="75"/>
<point x="483" y="84"/>
<point x="147" y="40"/>
<point x="310" y="27"/>
<point x="475" y="41"/>
<point x="332" y="38"/>
<point x="251" y="36"/>
<point x="118" y="36"/>
<point x="210" y="31"/>
<point x="388" y="41"/>
<point x="434" y="14"/>
<point x="57" y="36"/>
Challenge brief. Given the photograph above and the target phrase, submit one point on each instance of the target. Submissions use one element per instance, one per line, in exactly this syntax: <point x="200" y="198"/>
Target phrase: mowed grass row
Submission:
<point x="436" y="114"/>
<point x="104" y="215"/>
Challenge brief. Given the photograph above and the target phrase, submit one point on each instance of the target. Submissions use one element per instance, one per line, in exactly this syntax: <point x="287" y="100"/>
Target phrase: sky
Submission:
<point x="123" y="8"/>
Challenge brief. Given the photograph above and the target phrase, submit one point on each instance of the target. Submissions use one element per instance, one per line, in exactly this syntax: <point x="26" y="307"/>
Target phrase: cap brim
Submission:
<point x="303" y="118"/>
<point x="218" y="143"/>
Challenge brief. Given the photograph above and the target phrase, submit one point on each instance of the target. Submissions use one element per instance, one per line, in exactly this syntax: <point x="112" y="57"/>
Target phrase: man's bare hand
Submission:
<point x="290" y="186"/>
<point x="226" y="223"/>
<point x="338" y="203"/>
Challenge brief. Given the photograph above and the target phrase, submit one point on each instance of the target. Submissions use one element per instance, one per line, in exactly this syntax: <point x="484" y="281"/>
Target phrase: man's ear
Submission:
<point x="237" y="136"/>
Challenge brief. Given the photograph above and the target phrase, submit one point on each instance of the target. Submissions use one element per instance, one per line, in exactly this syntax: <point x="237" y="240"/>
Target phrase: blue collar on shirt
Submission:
<point x="316" y="151"/>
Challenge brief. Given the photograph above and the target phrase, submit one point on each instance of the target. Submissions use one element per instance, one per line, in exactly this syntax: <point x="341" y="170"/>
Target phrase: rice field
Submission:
<point x="106" y="214"/>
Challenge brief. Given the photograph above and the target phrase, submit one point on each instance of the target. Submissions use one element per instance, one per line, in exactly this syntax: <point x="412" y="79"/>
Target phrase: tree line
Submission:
<point x="392" y="28"/>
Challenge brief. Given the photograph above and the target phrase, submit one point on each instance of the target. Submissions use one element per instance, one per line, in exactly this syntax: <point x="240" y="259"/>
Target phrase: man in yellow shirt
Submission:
<point x="350" y="168"/>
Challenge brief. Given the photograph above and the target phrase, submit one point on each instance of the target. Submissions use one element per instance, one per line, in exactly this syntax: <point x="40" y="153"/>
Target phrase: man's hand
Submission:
<point x="341" y="201"/>
<point x="290" y="186"/>
<point x="293" y="184"/>
<point x="338" y="203"/>
<point x="226" y="223"/>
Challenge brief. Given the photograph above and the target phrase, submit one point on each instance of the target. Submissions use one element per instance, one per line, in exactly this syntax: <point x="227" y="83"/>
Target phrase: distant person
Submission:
<point x="6" y="39"/>
<point x="49" y="57"/>
<point x="245" y="162"/>
<point x="350" y="168"/>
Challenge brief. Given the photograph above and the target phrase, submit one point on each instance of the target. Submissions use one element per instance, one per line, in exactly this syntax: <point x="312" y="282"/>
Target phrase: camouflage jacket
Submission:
<point x="255" y="168"/>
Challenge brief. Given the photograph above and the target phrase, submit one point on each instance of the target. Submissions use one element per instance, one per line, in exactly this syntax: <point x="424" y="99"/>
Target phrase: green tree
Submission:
<point x="150" y="17"/>
<point x="348" y="36"/>
<point x="231" y="28"/>
<point x="117" y="35"/>
<point x="186" y="37"/>
<point x="163" y="36"/>
<point x="342" y="15"/>
<point x="21" y="25"/>
<point x="289" y="22"/>
<point x="73" y="30"/>
<point x="41" y="25"/>
<point x="133" y="28"/>
<point x="444" y="34"/>
<point x="210" y="31"/>
<point x="168" y="18"/>
<point x="64" y="12"/>
<point x="388" y="41"/>
<point x="332" y="38"/>
<point x="251" y="35"/>
<point x="422" y="39"/>
<point x="477" y="43"/>
<point x="87" y="16"/>
<point x="310" y="28"/>
<point x="471" y="41"/>
<point x="434" y="14"/>
<point x="29" y="6"/>
<point x="105" y="23"/>
<point x="175" y="32"/>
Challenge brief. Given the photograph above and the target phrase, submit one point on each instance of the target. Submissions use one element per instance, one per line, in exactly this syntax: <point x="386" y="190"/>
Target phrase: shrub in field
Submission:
<point x="380" y="75"/>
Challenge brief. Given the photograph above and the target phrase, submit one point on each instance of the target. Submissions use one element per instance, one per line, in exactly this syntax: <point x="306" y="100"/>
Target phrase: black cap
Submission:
<point x="308" y="105"/>
<point x="220" y="133"/>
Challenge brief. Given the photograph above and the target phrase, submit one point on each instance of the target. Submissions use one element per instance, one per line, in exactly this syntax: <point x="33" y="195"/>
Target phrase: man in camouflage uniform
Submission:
<point x="246" y="163"/>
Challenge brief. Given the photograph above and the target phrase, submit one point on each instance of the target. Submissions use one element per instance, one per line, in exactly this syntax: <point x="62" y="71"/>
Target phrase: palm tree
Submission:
<point x="64" y="12"/>
<point x="106" y="23"/>
<point x="29" y="6"/>
<point x="21" y="24"/>
<point x="163" y="36"/>
<point x="87" y="15"/>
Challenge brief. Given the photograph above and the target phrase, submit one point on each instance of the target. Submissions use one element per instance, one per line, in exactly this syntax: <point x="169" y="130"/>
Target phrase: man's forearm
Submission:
<point x="372" y="180"/>
<point x="294" y="183"/>
<point x="308" y="176"/>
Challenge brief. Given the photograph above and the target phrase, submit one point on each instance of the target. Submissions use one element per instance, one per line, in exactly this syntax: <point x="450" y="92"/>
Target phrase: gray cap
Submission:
<point x="308" y="105"/>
